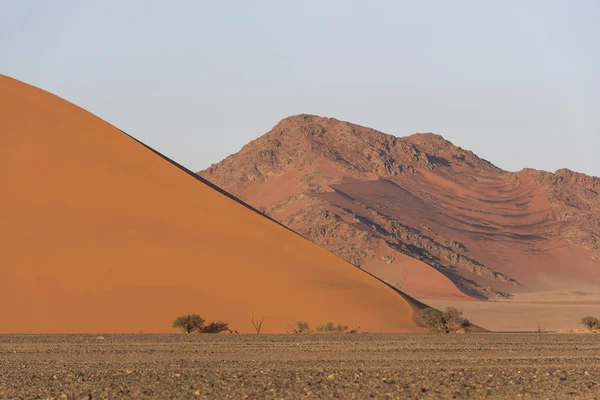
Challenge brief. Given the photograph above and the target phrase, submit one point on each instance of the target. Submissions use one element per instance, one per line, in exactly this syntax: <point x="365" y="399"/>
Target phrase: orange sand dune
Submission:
<point x="100" y="234"/>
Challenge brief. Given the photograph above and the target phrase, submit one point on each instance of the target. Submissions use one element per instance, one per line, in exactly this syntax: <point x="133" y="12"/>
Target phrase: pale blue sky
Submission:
<point x="517" y="82"/>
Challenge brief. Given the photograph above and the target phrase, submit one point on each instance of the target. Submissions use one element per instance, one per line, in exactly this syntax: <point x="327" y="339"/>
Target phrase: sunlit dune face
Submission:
<point x="99" y="234"/>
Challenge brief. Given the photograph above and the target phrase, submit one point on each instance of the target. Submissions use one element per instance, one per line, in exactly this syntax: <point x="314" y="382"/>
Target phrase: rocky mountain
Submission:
<point x="421" y="213"/>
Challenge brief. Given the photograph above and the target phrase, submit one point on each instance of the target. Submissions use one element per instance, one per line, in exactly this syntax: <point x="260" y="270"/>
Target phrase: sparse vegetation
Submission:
<point x="454" y="319"/>
<point x="591" y="323"/>
<point x="257" y="324"/>
<point x="189" y="323"/>
<point x="540" y="329"/>
<point x="301" y="327"/>
<point x="448" y="321"/>
<point x="330" y="327"/>
<point x="195" y="323"/>
<point x="433" y="320"/>
<point x="215" y="327"/>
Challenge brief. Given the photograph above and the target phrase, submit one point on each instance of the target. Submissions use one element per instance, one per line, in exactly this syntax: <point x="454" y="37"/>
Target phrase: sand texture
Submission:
<point x="100" y="234"/>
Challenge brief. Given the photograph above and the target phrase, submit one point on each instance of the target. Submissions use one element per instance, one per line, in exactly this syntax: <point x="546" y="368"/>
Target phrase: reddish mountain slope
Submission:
<point x="421" y="213"/>
<point x="100" y="234"/>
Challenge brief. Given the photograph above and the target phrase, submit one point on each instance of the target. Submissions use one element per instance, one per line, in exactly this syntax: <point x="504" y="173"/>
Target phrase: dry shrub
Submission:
<point x="591" y="323"/>
<point x="301" y="327"/>
<point x="455" y="320"/>
<point x="189" y="323"/>
<point x="195" y="323"/>
<point x="448" y="321"/>
<point x="433" y="320"/>
<point x="330" y="327"/>
<point x="215" y="327"/>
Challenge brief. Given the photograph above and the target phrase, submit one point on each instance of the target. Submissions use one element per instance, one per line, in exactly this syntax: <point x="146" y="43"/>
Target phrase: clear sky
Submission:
<point x="517" y="82"/>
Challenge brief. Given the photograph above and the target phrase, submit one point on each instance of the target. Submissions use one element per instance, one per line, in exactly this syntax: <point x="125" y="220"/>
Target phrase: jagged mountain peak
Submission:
<point x="306" y="140"/>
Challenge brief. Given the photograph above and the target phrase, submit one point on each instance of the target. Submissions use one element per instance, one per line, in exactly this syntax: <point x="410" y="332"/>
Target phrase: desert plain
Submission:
<point x="407" y="366"/>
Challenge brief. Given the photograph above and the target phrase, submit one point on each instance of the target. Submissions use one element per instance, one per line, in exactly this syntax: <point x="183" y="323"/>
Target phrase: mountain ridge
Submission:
<point x="332" y="181"/>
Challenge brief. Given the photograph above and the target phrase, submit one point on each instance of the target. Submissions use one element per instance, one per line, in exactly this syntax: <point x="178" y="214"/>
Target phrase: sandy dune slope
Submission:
<point x="100" y="234"/>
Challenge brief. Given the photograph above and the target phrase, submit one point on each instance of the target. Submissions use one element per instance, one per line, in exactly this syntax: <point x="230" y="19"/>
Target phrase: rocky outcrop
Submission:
<point x="354" y="191"/>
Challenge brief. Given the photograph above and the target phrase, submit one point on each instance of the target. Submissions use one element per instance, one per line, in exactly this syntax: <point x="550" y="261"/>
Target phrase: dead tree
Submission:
<point x="257" y="324"/>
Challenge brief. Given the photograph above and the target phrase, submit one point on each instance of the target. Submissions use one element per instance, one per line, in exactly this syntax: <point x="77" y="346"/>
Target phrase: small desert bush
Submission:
<point x="195" y="323"/>
<point x="455" y="320"/>
<point x="591" y="323"/>
<point x="215" y="327"/>
<point x="330" y="327"/>
<point x="433" y="320"/>
<point x="189" y="323"/>
<point x="437" y="321"/>
<point x="301" y="327"/>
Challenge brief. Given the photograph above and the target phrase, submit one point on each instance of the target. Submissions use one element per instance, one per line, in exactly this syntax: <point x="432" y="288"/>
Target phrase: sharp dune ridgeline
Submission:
<point x="430" y="218"/>
<point x="100" y="234"/>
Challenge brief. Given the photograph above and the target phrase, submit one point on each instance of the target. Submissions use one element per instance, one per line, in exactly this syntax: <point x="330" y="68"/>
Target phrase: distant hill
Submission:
<point x="425" y="215"/>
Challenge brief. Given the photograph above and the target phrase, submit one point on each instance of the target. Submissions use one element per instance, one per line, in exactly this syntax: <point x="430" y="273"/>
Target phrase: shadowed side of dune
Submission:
<point x="99" y="234"/>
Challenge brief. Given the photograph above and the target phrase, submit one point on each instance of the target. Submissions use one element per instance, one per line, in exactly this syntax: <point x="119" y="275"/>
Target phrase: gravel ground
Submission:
<point x="526" y="366"/>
